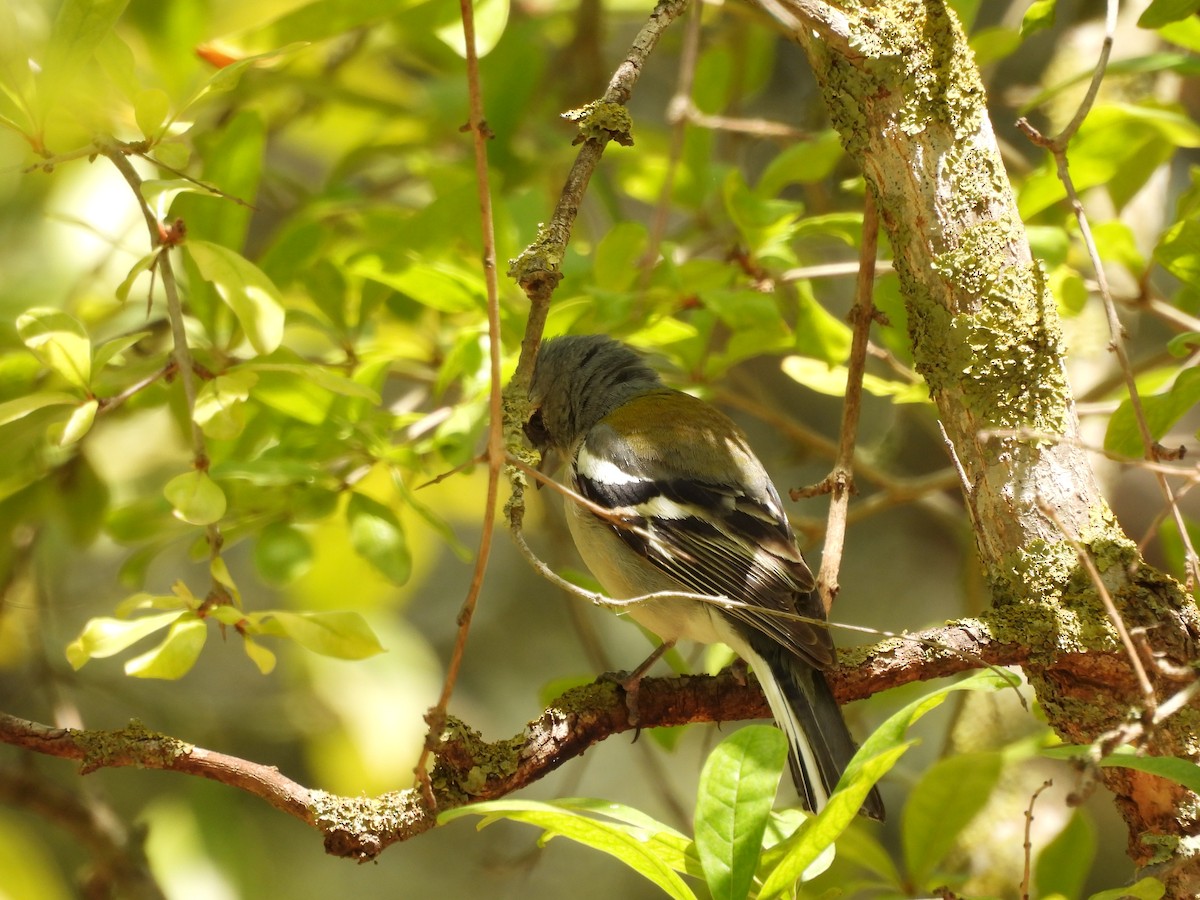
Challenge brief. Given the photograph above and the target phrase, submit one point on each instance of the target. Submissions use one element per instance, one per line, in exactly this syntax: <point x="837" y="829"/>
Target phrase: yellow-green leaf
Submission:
<point x="60" y="342"/>
<point x="80" y="422"/>
<point x="251" y="295"/>
<point x="196" y="498"/>
<point x="103" y="637"/>
<point x="175" y="656"/>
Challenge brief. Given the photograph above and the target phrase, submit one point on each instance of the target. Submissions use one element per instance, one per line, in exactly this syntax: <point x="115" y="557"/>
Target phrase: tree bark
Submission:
<point x="903" y="90"/>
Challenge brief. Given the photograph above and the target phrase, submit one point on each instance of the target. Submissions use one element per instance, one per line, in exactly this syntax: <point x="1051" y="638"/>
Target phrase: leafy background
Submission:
<point x="337" y="318"/>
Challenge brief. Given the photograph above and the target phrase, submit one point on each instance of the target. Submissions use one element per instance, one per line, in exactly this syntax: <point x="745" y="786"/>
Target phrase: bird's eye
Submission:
<point x="535" y="430"/>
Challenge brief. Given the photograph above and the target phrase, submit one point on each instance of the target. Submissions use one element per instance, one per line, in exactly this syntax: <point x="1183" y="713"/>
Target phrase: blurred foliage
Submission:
<point x="330" y="293"/>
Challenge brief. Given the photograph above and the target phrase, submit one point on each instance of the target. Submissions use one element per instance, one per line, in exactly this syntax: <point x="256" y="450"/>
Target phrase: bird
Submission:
<point x="689" y="508"/>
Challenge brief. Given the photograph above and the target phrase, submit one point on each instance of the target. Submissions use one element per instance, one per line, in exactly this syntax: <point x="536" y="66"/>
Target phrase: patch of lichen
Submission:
<point x="1043" y="599"/>
<point x="602" y="121"/>
<point x="544" y="254"/>
<point x="102" y="748"/>
<point x="389" y="814"/>
<point x="499" y="759"/>
<point x="910" y="52"/>
<point x="1002" y="352"/>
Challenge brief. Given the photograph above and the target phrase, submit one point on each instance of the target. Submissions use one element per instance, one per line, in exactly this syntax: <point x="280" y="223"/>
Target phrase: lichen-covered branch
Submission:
<point x="902" y="89"/>
<point x="468" y="769"/>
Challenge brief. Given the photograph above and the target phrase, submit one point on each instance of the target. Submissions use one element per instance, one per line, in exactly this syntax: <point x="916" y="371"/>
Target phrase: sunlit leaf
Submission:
<point x="1039" y="15"/>
<point x="1163" y="12"/>
<point x="145" y="264"/>
<point x="104" y="637"/>
<point x="19" y="407"/>
<point x="263" y="658"/>
<point x="1161" y="412"/>
<point x="60" y="342"/>
<point x="633" y="847"/>
<point x="1143" y="889"/>
<point x="1064" y="864"/>
<point x="196" y="498"/>
<point x="338" y="633"/>
<point x="219" y="409"/>
<point x="80" y="422"/>
<point x="175" y="656"/>
<point x="251" y="295"/>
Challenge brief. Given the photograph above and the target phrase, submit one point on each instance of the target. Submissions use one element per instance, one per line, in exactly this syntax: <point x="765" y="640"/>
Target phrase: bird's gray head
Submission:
<point x="577" y="381"/>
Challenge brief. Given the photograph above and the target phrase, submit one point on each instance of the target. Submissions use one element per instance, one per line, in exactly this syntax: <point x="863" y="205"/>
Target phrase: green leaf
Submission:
<point x="145" y="264"/>
<point x="150" y="108"/>
<point x="1181" y="771"/>
<point x="11" y="410"/>
<point x="615" y="263"/>
<point x="196" y="498"/>
<point x="1162" y="411"/>
<point x="80" y="422"/>
<point x="251" y="295"/>
<point x="104" y="637"/>
<point x="338" y="633"/>
<point x="111" y="349"/>
<point x="378" y="537"/>
<point x="227" y="77"/>
<point x="630" y="845"/>
<point x="160" y="193"/>
<point x="1145" y="889"/>
<point x="1064" y="863"/>
<point x="177" y="653"/>
<point x="1179" y="251"/>
<point x="60" y="342"/>
<point x="220" y="410"/>
<point x="875" y="757"/>
<point x="1038" y="16"/>
<point x="282" y="553"/>
<point x="804" y="162"/>
<point x="434" y="285"/>
<point x="1163" y="12"/>
<point x="736" y="792"/>
<point x="949" y="795"/>
<point x="263" y="658"/>
<point x="831" y="380"/>
<point x="78" y="29"/>
<point x="320" y="376"/>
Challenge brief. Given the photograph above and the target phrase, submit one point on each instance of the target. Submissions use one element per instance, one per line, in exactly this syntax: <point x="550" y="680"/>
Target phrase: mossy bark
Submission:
<point x="903" y="90"/>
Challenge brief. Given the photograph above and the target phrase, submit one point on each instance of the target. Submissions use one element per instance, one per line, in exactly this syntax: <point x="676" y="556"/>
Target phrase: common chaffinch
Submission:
<point x="691" y="509"/>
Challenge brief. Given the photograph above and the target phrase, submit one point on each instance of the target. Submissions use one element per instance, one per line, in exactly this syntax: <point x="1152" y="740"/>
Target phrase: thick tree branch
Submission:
<point x="467" y="768"/>
<point x="903" y="90"/>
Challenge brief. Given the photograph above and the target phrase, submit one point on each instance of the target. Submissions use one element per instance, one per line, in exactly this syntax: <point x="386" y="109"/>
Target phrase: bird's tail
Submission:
<point x="804" y="707"/>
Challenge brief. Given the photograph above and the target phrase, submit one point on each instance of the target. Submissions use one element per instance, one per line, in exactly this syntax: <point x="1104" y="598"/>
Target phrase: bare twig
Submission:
<point x="161" y="236"/>
<point x="1057" y="146"/>
<point x="841" y="479"/>
<point x="436" y="717"/>
<point x="1028" y="842"/>
<point x="678" y="114"/>
<point x="537" y="268"/>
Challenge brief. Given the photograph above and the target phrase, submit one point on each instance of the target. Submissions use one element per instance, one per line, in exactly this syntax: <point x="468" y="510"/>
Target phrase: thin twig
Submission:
<point x="1057" y="146"/>
<point x="180" y="351"/>
<point x="536" y="270"/>
<point x="1028" y="842"/>
<point x="436" y="717"/>
<point x="678" y="116"/>
<point x="841" y="479"/>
